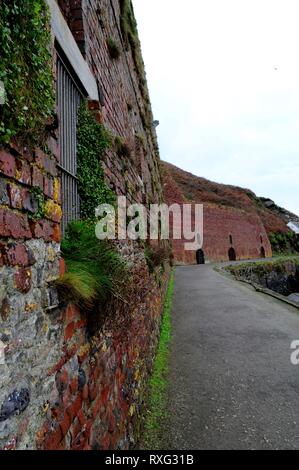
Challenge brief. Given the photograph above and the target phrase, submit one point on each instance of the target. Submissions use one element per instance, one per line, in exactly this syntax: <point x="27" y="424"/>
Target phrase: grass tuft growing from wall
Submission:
<point x="95" y="270"/>
<point x="157" y="401"/>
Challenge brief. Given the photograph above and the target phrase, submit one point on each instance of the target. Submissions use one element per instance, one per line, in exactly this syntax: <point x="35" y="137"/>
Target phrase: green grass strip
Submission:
<point x="157" y="401"/>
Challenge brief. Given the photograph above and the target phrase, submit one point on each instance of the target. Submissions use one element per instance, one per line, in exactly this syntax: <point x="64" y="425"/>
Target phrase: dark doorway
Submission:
<point x="200" y="257"/>
<point x="232" y="254"/>
<point x="263" y="253"/>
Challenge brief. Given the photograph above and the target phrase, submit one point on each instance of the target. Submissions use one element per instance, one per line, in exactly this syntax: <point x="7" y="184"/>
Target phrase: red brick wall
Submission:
<point x="99" y="384"/>
<point x="21" y="171"/>
<point x="220" y="222"/>
<point x="82" y="388"/>
<point x="138" y="177"/>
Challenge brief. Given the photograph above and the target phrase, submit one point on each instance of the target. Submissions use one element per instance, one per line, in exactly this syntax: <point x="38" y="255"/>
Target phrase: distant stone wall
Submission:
<point x="67" y="384"/>
<point x="281" y="276"/>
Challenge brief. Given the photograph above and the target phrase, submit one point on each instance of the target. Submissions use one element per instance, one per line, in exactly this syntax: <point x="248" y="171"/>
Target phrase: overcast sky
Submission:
<point x="224" y="84"/>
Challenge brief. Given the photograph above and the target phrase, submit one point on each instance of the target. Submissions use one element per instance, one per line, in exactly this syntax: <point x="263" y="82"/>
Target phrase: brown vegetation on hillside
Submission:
<point x="201" y="190"/>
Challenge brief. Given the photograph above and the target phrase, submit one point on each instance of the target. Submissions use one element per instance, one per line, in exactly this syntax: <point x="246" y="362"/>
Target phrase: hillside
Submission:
<point x="201" y="190"/>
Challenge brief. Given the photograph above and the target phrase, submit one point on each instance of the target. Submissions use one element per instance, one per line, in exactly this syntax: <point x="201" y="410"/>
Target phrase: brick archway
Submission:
<point x="200" y="257"/>
<point x="232" y="256"/>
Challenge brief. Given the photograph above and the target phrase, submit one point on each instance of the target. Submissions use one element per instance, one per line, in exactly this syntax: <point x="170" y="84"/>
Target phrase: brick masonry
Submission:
<point x="65" y="385"/>
<point x="223" y="228"/>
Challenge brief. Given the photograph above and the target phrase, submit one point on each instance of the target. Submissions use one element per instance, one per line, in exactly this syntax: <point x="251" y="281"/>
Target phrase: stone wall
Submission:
<point x="69" y="381"/>
<point x="281" y="276"/>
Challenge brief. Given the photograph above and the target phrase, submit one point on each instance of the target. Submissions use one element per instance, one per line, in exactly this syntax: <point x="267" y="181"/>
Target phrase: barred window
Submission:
<point x="69" y="97"/>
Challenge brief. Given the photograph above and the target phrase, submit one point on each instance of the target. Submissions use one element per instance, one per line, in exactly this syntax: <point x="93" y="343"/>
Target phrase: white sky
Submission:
<point x="225" y="113"/>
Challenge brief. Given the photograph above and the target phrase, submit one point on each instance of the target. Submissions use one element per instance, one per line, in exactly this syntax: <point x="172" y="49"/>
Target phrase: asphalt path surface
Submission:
<point x="232" y="384"/>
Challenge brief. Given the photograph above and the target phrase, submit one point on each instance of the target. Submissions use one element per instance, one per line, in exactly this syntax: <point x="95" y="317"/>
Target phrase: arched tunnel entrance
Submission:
<point x="200" y="257"/>
<point x="232" y="256"/>
<point x="263" y="253"/>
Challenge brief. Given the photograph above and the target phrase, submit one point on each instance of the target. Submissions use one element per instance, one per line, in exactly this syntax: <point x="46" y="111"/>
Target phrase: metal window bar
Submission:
<point x="69" y="97"/>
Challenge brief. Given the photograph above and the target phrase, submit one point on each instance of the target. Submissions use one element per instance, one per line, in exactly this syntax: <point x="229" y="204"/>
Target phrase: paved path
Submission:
<point x="232" y="385"/>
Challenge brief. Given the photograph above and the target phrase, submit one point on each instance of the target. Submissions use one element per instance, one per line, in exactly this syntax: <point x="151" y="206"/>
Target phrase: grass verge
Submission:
<point x="157" y="401"/>
<point x="266" y="264"/>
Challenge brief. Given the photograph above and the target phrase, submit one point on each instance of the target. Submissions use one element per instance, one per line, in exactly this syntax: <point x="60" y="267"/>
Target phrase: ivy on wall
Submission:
<point x="92" y="142"/>
<point x="25" y="70"/>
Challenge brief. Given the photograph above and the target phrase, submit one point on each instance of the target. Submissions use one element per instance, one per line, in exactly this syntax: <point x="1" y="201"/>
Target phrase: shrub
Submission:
<point x="284" y="242"/>
<point x="123" y="148"/>
<point x="113" y="48"/>
<point x="95" y="270"/>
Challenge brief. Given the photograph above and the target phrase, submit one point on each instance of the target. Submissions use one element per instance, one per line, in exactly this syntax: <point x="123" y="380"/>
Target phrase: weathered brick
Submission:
<point x="53" y="439"/>
<point x="61" y="380"/>
<point x="77" y="25"/>
<point x="29" y="201"/>
<point x="23" y="280"/>
<point x="56" y="235"/>
<point x="7" y="164"/>
<point x="79" y="36"/>
<point x="42" y="229"/>
<point x="17" y="254"/>
<point x="4" y="232"/>
<point x="21" y="151"/>
<point x="5" y="309"/>
<point x="74" y="408"/>
<point x="65" y="424"/>
<point x="23" y="172"/>
<point x="15" y="196"/>
<point x="37" y="178"/>
<point x="49" y="187"/>
<point x="62" y="269"/>
<point x="22" y="198"/>
<point x="53" y="211"/>
<point x="13" y="224"/>
<point x="45" y="162"/>
<point x="74" y="385"/>
<point x="76" y="4"/>
<point x="4" y="198"/>
<point x="69" y="331"/>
